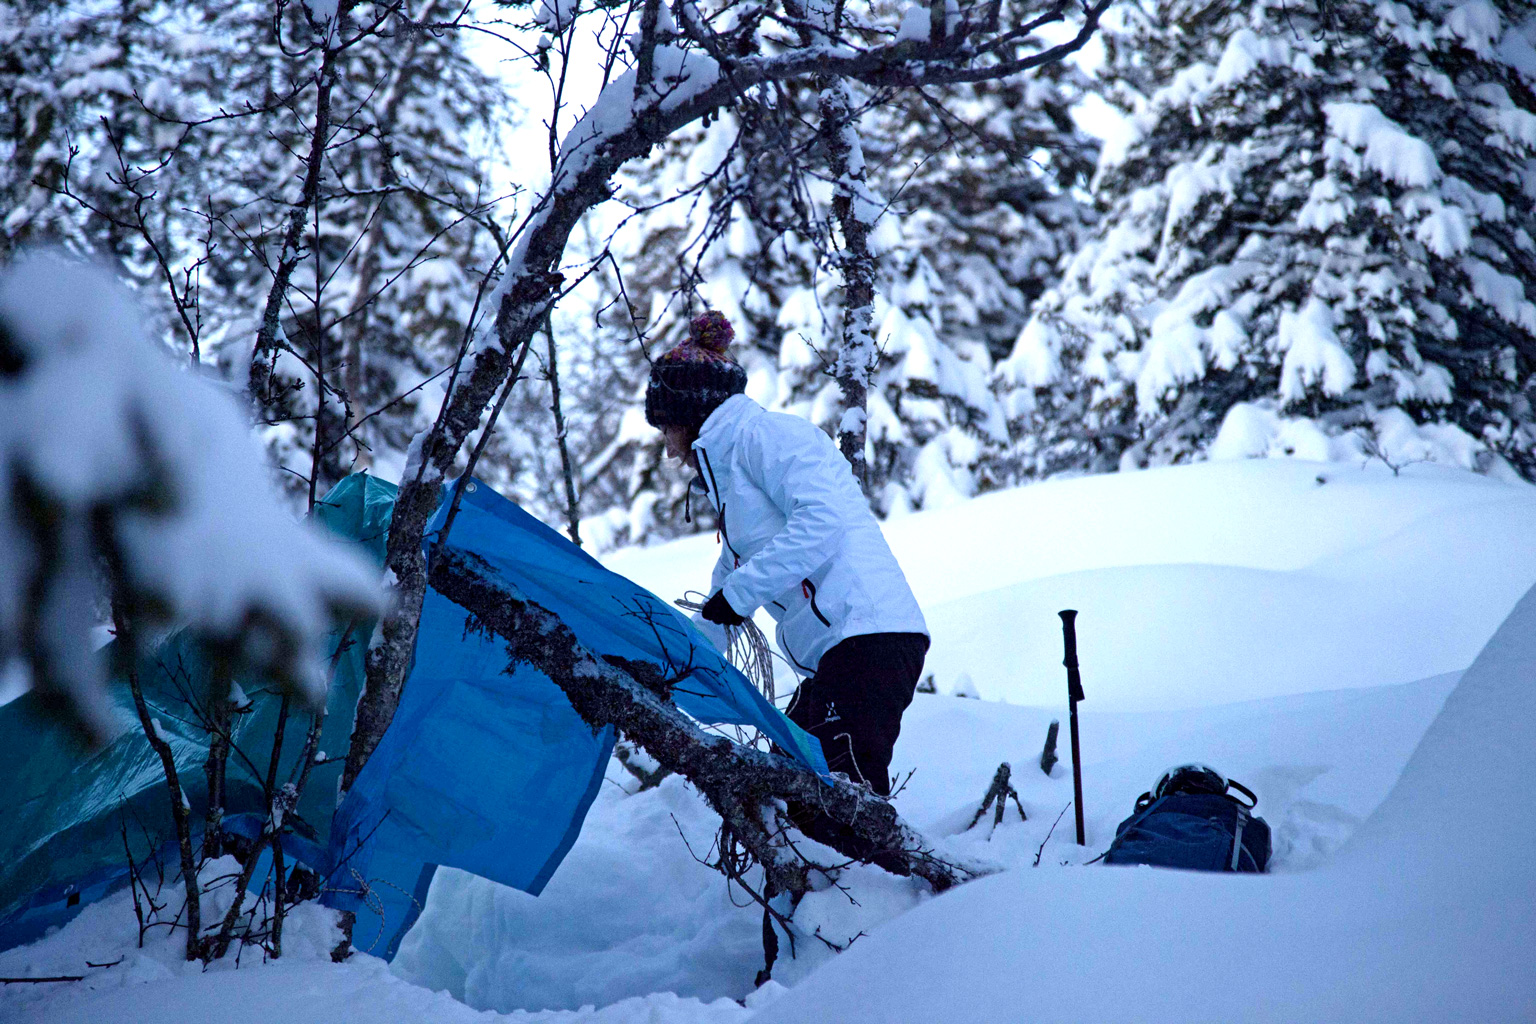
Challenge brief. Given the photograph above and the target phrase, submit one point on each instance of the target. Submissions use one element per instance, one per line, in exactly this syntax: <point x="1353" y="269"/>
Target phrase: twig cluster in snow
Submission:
<point x="115" y="458"/>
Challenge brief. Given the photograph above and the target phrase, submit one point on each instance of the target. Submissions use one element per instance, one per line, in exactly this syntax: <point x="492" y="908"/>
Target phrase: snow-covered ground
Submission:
<point x="1297" y="625"/>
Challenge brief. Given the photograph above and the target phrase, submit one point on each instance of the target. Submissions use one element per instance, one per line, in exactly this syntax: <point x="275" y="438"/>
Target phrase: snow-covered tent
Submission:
<point x="482" y="769"/>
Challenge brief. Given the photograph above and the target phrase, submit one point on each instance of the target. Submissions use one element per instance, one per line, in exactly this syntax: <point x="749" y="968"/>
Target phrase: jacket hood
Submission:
<point x="721" y="428"/>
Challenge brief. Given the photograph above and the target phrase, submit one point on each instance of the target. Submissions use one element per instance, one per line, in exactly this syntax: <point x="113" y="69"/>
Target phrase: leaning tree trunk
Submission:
<point x="593" y="153"/>
<point x="740" y="783"/>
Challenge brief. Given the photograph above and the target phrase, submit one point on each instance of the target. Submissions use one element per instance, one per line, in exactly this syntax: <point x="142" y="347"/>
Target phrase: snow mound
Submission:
<point x="1425" y="915"/>
<point x="631" y="911"/>
<point x="1297" y="625"/>
<point x="1201" y="585"/>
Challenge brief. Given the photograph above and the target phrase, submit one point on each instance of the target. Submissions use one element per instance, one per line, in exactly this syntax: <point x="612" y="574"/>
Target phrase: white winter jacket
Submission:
<point x="797" y="536"/>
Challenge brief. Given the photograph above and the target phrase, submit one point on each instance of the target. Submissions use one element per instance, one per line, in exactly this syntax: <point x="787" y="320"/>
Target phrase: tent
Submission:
<point x="482" y="768"/>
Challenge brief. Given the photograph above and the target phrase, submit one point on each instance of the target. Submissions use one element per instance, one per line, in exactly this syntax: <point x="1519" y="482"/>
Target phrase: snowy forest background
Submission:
<point x="1313" y="236"/>
<point x="1218" y="232"/>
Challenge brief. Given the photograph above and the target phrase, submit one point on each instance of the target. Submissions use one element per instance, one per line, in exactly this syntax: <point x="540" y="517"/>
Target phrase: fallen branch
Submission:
<point x="649" y="778"/>
<point x="740" y="783"/>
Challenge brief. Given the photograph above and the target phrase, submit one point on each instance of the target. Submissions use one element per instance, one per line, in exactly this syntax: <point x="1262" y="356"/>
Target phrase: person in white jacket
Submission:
<point x="798" y="539"/>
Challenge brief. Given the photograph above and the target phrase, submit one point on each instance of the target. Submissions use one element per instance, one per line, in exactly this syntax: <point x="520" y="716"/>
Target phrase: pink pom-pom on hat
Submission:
<point x="690" y="381"/>
<point x="709" y="335"/>
<point x="711" y="331"/>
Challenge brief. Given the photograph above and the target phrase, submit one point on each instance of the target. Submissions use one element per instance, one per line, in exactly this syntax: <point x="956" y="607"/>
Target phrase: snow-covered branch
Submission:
<point x="683" y="83"/>
<point x="115" y="458"/>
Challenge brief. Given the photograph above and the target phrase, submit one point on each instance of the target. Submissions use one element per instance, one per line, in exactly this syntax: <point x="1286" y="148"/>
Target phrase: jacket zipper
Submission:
<point x="809" y="589"/>
<point x="783" y="642"/>
<point x="725" y="534"/>
<point x="710" y="470"/>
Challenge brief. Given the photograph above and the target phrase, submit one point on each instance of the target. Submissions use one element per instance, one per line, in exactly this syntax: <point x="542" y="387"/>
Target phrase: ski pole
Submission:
<point x="1074" y="694"/>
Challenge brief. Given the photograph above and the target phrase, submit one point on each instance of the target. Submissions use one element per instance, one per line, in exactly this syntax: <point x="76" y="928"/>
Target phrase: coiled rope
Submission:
<point x="746" y="647"/>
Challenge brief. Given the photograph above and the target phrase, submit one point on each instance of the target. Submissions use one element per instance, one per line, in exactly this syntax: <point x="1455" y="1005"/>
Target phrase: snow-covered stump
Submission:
<point x="740" y="783"/>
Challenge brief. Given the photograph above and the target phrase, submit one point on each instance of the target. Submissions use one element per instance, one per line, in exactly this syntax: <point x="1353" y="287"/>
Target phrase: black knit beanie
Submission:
<point x="690" y="381"/>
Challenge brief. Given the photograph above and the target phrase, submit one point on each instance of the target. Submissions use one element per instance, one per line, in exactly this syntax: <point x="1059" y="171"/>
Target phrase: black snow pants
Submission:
<point x="853" y="705"/>
<point x="854" y="702"/>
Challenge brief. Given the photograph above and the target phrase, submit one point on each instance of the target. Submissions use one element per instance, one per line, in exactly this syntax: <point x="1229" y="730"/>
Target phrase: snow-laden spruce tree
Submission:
<point x="1317" y="243"/>
<point x="176" y="141"/>
<point x="976" y="211"/>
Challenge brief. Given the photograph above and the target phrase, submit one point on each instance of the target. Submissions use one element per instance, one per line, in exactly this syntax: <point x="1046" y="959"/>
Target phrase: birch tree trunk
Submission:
<point x="725" y="68"/>
<point x="856" y="210"/>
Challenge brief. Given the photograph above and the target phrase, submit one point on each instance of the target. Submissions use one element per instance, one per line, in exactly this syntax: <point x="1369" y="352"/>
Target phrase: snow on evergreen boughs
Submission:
<point x="1318" y="243"/>
<point x="977" y="182"/>
<point x="212" y="117"/>
<point x="127" y="477"/>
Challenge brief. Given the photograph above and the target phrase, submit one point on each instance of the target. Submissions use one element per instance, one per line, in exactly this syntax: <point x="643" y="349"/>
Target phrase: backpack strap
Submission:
<point x="1237" y="838"/>
<point x="1145" y="805"/>
<point x="1242" y="818"/>
<point x="1253" y="800"/>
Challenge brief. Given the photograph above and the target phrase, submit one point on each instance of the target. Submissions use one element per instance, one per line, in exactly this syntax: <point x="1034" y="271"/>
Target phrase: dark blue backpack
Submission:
<point x="1192" y="819"/>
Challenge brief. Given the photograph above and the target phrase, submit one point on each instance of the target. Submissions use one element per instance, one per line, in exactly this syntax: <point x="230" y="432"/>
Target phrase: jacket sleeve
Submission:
<point x="810" y="482"/>
<point x="713" y="631"/>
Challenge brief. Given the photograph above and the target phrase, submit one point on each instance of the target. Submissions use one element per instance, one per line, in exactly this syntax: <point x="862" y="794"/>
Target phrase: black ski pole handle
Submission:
<point x="1069" y="641"/>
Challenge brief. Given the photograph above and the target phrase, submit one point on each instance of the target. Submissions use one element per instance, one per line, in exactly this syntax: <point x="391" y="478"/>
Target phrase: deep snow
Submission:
<point x="1313" y="604"/>
<point x="1426" y="914"/>
<point x="1301" y="636"/>
<point x="1202" y="584"/>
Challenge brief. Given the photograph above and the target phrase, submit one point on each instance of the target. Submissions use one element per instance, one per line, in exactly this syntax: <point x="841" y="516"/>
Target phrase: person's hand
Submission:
<point x="719" y="611"/>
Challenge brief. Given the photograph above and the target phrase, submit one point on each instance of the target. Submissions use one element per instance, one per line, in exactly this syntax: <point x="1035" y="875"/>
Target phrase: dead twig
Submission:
<point x="998" y="794"/>
<point x="1041" y="849"/>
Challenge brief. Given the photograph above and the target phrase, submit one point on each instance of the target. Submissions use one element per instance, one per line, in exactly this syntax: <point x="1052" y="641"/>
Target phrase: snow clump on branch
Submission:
<point x="113" y="458"/>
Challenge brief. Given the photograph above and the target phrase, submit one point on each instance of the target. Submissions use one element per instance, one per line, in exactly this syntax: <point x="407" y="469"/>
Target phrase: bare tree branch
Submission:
<point x="592" y="153"/>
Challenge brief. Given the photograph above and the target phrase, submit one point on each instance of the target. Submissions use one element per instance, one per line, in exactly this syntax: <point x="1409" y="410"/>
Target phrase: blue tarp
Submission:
<point x="480" y="769"/>
<point x="71" y="820"/>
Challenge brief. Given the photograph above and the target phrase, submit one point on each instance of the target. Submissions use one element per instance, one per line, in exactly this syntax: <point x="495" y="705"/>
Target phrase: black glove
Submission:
<point x="718" y="610"/>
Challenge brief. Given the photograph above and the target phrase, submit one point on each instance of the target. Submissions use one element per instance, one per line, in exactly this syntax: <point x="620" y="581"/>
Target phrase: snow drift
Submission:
<point x="1427" y="914"/>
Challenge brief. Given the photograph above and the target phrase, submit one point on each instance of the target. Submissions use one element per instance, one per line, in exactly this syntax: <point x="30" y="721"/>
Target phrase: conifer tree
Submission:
<point x="1318" y="243"/>
<point x="171" y="140"/>
<point x="979" y="184"/>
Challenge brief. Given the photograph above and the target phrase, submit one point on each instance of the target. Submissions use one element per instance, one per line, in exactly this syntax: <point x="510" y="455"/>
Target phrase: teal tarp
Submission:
<point x="480" y="770"/>
<point x="69" y="821"/>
